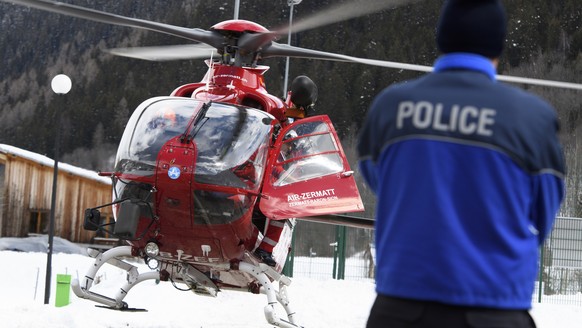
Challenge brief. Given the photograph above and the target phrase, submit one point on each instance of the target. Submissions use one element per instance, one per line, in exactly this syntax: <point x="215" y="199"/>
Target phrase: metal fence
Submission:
<point x="560" y="273"/>
<point x="324" y="251"/>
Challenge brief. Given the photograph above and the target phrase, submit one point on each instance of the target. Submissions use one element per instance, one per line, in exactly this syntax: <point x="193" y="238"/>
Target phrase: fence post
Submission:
<point x="335" y="256"/>
<point x="541" y="274"/>
<point x="288" y="268"/>
<point x="341" y="240"/>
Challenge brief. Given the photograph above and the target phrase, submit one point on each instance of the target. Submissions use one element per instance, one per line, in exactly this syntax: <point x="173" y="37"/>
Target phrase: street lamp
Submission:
<point x="61" y="85"/>
<point x="291" y="3"/>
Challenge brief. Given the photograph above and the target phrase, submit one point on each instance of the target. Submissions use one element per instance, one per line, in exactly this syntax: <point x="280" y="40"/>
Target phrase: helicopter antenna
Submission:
<point x="212" y="76"/>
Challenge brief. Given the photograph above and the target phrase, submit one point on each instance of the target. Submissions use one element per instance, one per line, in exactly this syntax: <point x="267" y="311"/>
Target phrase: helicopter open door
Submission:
<point x="309" y="174"/>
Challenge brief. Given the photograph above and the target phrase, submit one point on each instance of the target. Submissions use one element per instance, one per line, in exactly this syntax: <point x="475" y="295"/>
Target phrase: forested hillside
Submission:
<point x="544" y="41"/>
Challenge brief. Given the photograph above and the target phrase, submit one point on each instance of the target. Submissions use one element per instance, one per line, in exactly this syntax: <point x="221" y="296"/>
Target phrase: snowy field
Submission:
<point x="319" y="303"/>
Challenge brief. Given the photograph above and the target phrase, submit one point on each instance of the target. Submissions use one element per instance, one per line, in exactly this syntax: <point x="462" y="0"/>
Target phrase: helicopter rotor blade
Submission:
<point x="540" y="82"/>
<point x="334" y="14"/>
<point x="283" y="50"/>
<point x="166" y="53"/>
<point x="195" y="34"/>
<point x="343" y="12"/>
<point x="258" y="41"/>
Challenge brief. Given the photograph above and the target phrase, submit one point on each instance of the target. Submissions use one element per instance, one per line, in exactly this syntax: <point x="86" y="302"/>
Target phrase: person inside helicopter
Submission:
<point x="303" y="95"/>
<point x="274" y="228"/>
<point x="164" y="118"/>
<point x="161" y="125"/>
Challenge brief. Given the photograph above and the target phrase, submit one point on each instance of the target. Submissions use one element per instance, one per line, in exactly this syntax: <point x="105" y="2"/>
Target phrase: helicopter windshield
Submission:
<point x="231" y="141"/>
<point x="232" y="146"/>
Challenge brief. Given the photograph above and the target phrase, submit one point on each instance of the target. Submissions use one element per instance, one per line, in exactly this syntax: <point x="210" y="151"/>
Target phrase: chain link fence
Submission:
<point x="325" y="251"/>
<point x="560" y="278"/>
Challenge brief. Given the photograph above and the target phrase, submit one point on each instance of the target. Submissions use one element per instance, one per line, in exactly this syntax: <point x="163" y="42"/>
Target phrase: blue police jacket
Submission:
<point x="468" y="174"/>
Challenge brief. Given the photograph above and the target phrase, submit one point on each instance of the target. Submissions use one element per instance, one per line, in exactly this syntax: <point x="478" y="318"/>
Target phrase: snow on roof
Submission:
<point x="43" y="160"/>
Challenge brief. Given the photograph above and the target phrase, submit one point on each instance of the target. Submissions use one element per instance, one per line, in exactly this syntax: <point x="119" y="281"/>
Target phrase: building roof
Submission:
<point x="43" y="160"/>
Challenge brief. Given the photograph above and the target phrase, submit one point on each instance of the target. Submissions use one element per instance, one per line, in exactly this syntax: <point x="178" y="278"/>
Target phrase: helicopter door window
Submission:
<point x="308" y="151"/>
<point x="310" y="145"/>
<point x="308" y="168"/>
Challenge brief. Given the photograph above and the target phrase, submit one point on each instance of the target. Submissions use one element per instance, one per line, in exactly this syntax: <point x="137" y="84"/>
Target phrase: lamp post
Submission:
<point x="236" y="8"/>
<point x="61" y="85"/>
<point x="291" y="3"/>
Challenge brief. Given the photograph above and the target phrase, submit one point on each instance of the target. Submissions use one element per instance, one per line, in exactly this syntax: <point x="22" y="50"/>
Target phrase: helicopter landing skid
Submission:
<point x="263" y="273"/>
<point x="123" y="309"/>
<point x="264" y="276"/>
<point x="83" y="289"/>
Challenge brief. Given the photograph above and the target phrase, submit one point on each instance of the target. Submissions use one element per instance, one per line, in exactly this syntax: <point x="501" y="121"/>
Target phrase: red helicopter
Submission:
<point x="199" y="173"/>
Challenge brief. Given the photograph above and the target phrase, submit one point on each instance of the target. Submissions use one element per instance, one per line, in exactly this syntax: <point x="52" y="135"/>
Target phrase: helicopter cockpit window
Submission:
<point x="309" y="151"/>
<point x="155" y="123"/>
<point x="158" y="125"/>
<point x="232" y="145"/>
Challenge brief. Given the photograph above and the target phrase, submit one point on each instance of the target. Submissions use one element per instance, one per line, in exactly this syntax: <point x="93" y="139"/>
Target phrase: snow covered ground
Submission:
<point x="319" y="303"/>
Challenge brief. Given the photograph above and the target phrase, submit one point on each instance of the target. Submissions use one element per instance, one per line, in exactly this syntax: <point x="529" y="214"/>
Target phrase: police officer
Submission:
<point x="468" y="173"/>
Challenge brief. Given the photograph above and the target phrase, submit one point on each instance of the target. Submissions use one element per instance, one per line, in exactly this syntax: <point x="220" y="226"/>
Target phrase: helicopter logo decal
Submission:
<point x="311" y="197"/>
<point x="174" y="172"/>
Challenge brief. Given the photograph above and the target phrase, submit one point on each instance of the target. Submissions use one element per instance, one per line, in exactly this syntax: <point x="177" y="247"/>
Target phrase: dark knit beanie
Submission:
<point x="474" y="26"/>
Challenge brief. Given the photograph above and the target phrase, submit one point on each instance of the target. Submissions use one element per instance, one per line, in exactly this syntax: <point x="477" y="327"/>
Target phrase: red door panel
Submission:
<point x="309" y="174"/>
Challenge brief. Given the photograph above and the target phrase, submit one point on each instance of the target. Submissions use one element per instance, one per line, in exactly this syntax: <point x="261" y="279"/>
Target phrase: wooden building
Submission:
<point x="26" y="180"/>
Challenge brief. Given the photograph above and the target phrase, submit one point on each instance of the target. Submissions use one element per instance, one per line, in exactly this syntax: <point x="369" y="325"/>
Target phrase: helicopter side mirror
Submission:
<point x="92" y="219"/>
<point x="304" y="93"/>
